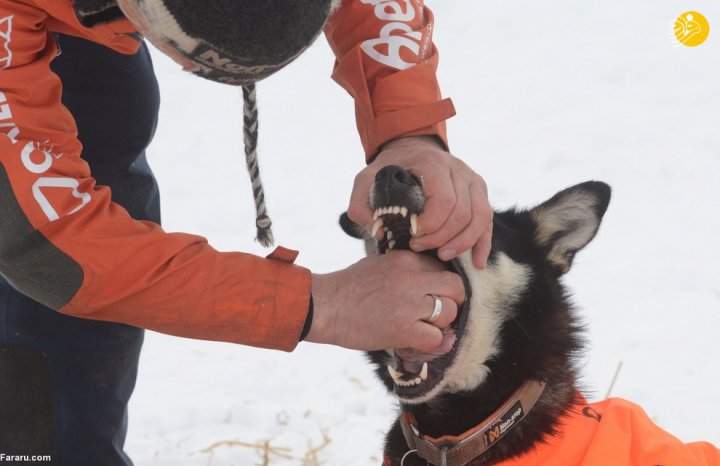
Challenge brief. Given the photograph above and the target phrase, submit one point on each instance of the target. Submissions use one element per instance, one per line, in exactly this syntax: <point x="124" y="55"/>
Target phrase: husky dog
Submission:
<point x="508" y="386"/>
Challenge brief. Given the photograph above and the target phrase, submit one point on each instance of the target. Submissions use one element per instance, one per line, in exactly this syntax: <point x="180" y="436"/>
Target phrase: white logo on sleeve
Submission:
<point x="26" y="155"/>
<point x="38" y="159"/>
<point x="5" y="38"/>
<point x="7" y="125"/>
<point x="396" y="35"/>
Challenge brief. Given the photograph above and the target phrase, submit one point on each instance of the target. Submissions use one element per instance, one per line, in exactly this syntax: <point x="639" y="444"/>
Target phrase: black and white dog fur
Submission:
<point x="516" y="325"/>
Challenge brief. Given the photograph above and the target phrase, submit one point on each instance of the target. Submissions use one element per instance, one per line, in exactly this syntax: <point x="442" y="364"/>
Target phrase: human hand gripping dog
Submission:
<point x="457" y="215"/>
<point x="391" y="297"/>
<point x="385" y="299"/>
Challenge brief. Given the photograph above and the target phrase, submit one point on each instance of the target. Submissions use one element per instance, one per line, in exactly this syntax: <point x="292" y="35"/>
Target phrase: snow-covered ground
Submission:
<point x="548" y="95"/>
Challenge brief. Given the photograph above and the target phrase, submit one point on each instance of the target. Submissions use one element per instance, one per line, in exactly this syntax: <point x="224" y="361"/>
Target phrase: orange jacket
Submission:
<point x="615" y="432"/>
<point x="66" y="244"/>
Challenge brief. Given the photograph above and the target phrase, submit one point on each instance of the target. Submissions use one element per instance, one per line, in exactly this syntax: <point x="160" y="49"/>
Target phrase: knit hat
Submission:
<point x="231" y="41"/>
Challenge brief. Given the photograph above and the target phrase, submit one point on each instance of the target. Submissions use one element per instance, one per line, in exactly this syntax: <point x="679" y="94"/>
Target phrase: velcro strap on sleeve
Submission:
<point x="283" y="254"/>
<point x="409" y="122"/>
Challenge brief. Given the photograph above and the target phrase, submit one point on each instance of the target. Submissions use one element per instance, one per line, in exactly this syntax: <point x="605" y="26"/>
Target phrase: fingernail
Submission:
<point x="418" y="247"/>
<point x="447" y="254"/>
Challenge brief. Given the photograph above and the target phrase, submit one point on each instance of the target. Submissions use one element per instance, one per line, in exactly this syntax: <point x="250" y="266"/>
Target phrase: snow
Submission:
<point x="548" y="95"/>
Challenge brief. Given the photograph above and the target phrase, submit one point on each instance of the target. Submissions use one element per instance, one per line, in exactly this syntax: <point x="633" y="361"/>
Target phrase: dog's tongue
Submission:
<point x="412" y="360"/>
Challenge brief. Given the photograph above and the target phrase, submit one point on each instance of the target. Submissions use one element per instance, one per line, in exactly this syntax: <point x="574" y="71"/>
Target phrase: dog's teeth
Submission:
<point x="385" y="210"/>
<point x="389" y="235"/>
<point x="396" y="210"/>
<point x="409" y="383"/>
<point x="395" y="375"/>
<point x="413" y="224"/>
<point x="403" y="211"/>
<point x="376" y="214"/>
<point x="391" y="244"/>
<point x="376" y="226"/>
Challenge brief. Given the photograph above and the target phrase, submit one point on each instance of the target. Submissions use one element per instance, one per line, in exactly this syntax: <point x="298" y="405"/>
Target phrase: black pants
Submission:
<point x="65" y="382"/>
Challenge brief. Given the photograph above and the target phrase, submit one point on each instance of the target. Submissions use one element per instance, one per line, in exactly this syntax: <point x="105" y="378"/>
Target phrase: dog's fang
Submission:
<point x="391" y="244"/>
<point x="413" y="224"/>
<point x="395" y="374"/>
<point x="389" y="235"/>
<point x="376" y="226"/>
<point x="376" y="214"/>
<point x="424" y="371"/>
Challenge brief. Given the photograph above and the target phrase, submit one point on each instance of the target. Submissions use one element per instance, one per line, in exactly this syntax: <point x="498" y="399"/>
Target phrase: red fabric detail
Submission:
<point x="284" y="254"/>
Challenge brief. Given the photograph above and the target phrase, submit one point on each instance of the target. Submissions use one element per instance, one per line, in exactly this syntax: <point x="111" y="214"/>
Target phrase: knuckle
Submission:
<point x="431" y="340"/>
<point x="475" y="231"/>
<point x="446" y="195"/>
<point x="481" y="181"/>
<point x="464" y="240"/>
<point x="463" y="215"/>
<point x="362" y="176"/>
<point x="429" y="228"/>
<point x="437" y="239"/>
<point x="355" y="213"/>
<point x="404" y="259"/>
<point x="433" y="224"/>
<point x="486" y="213"/>
<point x="454" y="284"/>
<point x="451" y="310"/>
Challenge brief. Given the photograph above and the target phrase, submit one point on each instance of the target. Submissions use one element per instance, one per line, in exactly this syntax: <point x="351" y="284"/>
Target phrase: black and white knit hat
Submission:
<point x="231" y="41"/>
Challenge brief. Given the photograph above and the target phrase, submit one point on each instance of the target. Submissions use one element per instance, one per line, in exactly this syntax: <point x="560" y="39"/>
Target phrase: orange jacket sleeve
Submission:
<point x="66" y="244"/>
<point x="387" y="62"/>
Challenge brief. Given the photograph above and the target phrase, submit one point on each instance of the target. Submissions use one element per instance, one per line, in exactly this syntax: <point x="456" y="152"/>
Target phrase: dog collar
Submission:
<point x="451" y="450"/>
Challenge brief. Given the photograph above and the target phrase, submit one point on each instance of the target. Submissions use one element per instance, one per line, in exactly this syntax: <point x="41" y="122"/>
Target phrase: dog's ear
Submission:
<point x="357" y="231"/>
<point x="351" y="228"/>
<point x="569" y="221"/>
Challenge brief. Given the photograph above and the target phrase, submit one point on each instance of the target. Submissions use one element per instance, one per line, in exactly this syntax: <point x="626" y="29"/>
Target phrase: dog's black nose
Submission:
<point x="394" y="177"/>
<point x="395" y="186"/>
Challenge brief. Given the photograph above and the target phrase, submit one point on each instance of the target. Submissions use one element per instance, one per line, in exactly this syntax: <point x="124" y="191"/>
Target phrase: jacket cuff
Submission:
<point x="423" y="120"/>
<point x="405" y="103"/>
<point x="294" y="303"/>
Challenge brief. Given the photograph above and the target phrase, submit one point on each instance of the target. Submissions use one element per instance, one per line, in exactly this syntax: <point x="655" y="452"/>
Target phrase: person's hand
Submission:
<point x="457" y="215"/>
<point x="382" y="302"/>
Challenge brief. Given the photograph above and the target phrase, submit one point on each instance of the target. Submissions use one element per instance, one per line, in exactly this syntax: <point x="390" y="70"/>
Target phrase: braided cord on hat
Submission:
<point x="250" y="134"/>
